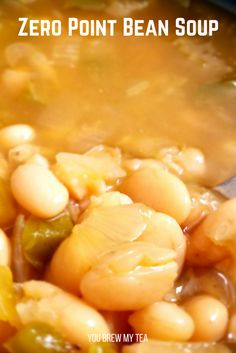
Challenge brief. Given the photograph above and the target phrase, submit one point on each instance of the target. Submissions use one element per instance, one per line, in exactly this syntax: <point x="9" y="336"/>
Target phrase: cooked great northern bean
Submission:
<point x="70" y="316"/>
<point x="129" y="277"/>
<point x="165" y="232"/>
<point x="5" y="249"/>
<point x="210" y="318"/>
<point x="113" y="238"/>
<point x="102" y="229"/>
<point x="163" y="321"/>
<point x="160" y="190"/>
<point x="15" y="135"/>
<point x="38" y="190"/>
<point x="214" y="238"/>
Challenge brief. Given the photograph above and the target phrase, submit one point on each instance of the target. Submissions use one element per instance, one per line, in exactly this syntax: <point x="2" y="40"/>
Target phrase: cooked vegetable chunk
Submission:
<point x="87" y="174"/>
<point x="7" y="298"/>
<point x="101" y="348"/>
<point x="69" y="315"/>
<point x="38" y="338"/>
<point x="41" y="238"/>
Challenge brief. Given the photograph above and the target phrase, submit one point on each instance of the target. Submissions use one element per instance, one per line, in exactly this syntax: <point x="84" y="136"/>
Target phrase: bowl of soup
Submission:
<point x="116" y="234"/>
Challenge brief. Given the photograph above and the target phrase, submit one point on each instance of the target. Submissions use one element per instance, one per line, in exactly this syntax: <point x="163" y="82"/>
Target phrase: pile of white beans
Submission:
<point x="128" y="248"/>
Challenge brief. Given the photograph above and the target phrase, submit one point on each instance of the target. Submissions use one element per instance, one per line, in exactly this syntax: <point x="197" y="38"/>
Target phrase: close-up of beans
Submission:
<point x="121" y="247"/>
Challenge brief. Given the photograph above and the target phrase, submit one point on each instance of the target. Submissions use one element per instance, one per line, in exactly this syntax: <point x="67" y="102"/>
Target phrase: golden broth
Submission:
<point x="139" y="93"/>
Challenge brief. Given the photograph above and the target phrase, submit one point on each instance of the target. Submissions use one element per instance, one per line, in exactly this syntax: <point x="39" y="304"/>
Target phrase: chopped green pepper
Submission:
<point x="7" y="299"/>
<point x="40" y="238"/>
<point x="101" y="348"/>
<point x="38" y="338"/>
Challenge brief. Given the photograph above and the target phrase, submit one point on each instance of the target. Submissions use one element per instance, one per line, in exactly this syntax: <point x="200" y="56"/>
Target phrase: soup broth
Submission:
<point x="138" y="93"/>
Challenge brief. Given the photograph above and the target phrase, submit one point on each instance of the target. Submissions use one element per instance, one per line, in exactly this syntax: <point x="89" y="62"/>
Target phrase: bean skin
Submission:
<point x="69" y="315"/>
<point x="210" y="317"/>
<point x="131" y="277"/>
<point x="15" y="135"/>
<point x="163" y="321"/>
<point x="101" y="230"/>
<point x="5" y="249"/>
<point x="160" y="190"/>
<point x="165" y="232"/>
<point x="37" y="190"/>
<point x="214" y="239"/>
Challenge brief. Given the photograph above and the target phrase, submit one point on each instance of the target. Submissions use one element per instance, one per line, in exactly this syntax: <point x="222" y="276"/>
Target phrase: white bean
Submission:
<point x="5" y="249"/>
<point x="15" y="135"/>
<point x="193" y="162"/>
<point x="210" y="317"/>
<point x="160" y="190"/>
<point x="164" y="231"/>
<point x="130" y="277"/>
<point x="39" y="159"/>
<point x="163" y="321"/>
<point x="109" y="199"/>
<point x="71" y="316"/>
<point x="37" y="190"/>
<point x="21" y="154"/>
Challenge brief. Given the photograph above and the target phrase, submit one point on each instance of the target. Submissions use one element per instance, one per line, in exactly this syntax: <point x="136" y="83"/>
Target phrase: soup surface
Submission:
<point x="138" y="93"/>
